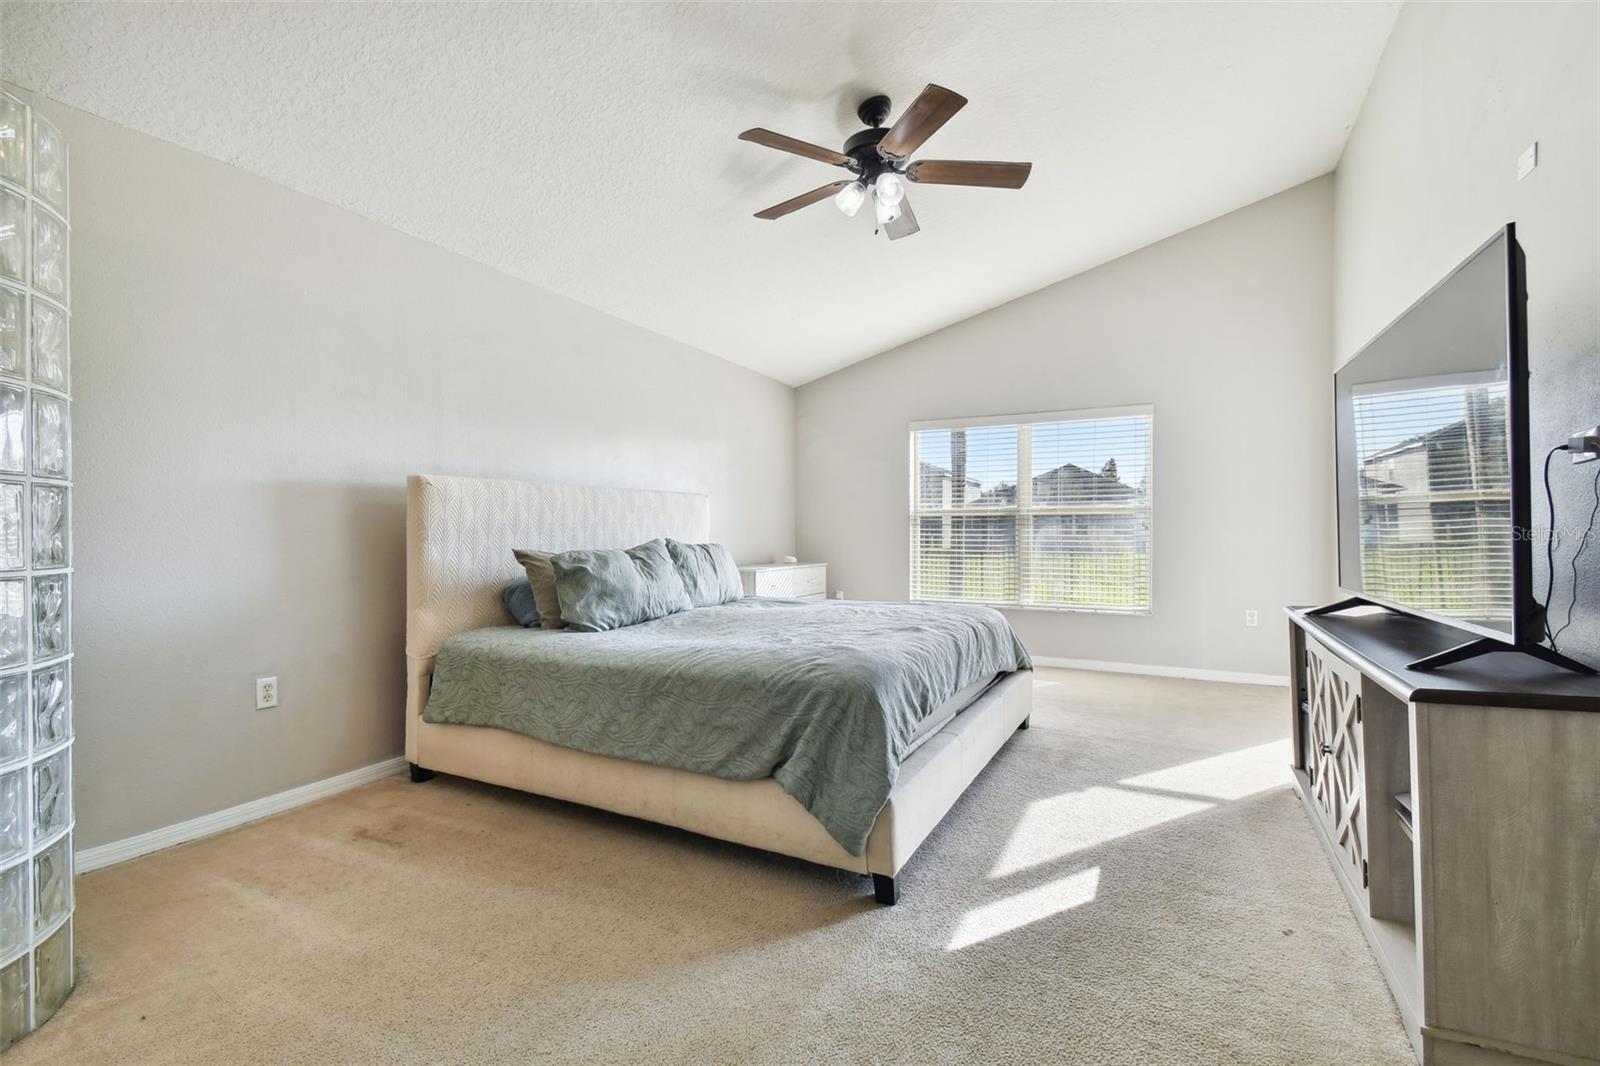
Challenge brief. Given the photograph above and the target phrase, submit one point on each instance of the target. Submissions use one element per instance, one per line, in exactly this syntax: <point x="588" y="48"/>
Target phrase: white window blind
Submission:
<point x="1434" y="496"/>
<point x="1034" y="510"/>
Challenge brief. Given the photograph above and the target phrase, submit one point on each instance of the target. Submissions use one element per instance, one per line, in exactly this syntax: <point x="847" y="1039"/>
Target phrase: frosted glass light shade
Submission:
<point x="36" y="735"/>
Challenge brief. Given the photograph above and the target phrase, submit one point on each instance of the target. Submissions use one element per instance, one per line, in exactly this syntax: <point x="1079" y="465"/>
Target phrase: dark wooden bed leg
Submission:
<point x="1026" y="722"/>
<point x="418" y="774"/>
<point x="885" y="890"/>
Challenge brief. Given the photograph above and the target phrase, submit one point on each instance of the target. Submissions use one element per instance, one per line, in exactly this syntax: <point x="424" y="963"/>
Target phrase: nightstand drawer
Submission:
<point x="778" y="581"/>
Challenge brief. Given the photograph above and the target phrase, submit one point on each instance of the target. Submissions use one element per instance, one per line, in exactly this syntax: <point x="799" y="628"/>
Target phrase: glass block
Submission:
<point x="13" y="1002"/>
<point x="50" y="457"/>
<point x="52" y="884"/>
<point x="49" y="616"/>
<point x="52" y="801"/>
<point x="13" y="622"/>
<point x="11" y="557"/>
<point x="13" y="210"/>
<point x="49" y="345"/>
<point x="13" y="140"/>
<point x="52" y="709"/>
<point x="51" y="531"/>
<point x="11" y="331"/>
<point x="50" y="255"/>
<point x="49" y="164"/>
<point x="52" y="975"/>
<point x="14" y="717"/>
<point x="13" y="819"/>
<point x="13" y="429"/>
<point x="13" y="910"/>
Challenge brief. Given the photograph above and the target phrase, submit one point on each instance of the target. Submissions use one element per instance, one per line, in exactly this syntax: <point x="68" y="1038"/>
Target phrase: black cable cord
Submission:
<point x="1549" y="548"/>
<point x="1582" y="544"/>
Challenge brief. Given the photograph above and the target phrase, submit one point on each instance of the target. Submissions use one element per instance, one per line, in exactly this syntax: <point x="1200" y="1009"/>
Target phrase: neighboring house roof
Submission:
<point x="930" y="472"/>
<point x="1065" y="482"/>
<point x="1451" y="434"/>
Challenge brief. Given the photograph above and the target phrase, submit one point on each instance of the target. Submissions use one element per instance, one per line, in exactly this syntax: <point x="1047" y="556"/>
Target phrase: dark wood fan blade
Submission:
<point x="936" y="106"/>
<point x="905" y="225"/>
<point x="788" y="144"/>
<point x="805" y="199"/>
<point x="969" y="172"/>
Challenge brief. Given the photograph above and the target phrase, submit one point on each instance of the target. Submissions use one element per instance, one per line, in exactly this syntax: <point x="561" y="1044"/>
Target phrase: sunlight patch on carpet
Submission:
<point x="1025" y="908"/>
<point x="1229" y="776"/>
<point x="1053" y="828"/>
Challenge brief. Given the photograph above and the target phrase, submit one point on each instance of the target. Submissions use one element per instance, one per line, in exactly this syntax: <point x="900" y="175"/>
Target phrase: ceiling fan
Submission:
<point x="880" y="160"/>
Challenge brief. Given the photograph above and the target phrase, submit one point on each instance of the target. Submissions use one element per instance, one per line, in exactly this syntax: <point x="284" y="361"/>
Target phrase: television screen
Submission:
<point x="1429" y="424"/>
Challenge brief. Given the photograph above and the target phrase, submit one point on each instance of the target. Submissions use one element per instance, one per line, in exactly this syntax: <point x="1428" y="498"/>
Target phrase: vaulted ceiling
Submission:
<point x="591" y="149"/>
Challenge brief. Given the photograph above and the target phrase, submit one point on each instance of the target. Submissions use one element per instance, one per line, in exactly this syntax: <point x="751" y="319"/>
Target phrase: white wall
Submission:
<point x="1430" y="173"/>
<point x="255" y="372"/>
<point x="1224" y="328"/>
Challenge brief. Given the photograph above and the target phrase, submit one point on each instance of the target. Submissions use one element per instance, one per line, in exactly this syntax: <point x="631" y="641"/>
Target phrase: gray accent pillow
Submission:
<point x="709" y="573"/>
<point x="610" y="589"/>
<point x="542" y="580"/>
<point x="518" y="598"/>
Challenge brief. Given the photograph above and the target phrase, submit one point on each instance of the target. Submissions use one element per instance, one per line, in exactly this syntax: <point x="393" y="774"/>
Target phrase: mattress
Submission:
<point x="826" y="698"/>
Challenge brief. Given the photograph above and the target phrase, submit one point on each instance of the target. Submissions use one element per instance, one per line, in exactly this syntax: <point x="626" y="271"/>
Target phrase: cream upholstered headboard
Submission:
<point x="460" y="532"/>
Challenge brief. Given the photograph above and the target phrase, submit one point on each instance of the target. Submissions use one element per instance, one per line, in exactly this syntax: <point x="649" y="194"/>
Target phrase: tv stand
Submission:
<point x="1485" y="646"/>
<point x="1346" y="604"/>
<point x="1457" y="810"/>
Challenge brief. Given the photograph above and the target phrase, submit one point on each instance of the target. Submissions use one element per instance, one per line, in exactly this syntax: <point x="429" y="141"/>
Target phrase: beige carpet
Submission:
<point x="1131" y="881"/>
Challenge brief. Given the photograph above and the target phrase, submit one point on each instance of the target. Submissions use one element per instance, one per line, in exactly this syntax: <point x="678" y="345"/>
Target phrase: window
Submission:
<point x="1033" y="510"/>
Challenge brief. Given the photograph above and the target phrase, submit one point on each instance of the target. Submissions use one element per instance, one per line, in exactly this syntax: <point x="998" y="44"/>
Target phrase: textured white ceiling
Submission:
<point x="591" y="149"/>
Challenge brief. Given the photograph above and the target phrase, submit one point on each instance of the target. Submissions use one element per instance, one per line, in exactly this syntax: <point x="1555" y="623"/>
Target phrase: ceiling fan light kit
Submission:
<point x="880" y="160"/>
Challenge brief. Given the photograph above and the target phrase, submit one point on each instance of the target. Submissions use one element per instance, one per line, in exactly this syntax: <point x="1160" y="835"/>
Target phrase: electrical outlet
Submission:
<point x="1250" y="618"/>
<point x="266" y="693"/>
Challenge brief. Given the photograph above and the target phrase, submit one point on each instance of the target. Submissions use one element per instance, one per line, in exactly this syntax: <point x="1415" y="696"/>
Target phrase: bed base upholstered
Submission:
<point x="460" y="533"/>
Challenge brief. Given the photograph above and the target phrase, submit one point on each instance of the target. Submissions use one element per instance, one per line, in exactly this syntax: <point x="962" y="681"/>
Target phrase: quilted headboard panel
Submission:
<point x="460" y="532"/>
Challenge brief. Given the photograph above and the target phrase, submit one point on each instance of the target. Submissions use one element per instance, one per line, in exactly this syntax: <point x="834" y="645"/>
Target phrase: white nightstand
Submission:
<point x="786" y="581"/>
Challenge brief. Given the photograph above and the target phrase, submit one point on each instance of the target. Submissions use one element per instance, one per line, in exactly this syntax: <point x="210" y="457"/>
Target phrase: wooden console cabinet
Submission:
<point x="1460" y="809"/>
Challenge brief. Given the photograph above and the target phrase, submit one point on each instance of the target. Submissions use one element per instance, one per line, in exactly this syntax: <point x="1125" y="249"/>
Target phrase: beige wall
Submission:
<point x="1226" y="330"/>
<point x="255" y="372"/>
<point x="1430" y="173"/>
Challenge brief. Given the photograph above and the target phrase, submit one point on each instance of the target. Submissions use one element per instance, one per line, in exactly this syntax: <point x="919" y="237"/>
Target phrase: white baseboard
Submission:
<point x="1192" y="673"/>
<point x="215" y="822"/>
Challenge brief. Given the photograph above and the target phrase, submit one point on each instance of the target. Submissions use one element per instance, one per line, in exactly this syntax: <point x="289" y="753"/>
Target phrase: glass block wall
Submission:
<point x="35" y="575"/>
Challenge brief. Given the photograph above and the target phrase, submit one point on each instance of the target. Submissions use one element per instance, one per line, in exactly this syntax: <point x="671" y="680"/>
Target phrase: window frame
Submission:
<point x="1024" y="506"/>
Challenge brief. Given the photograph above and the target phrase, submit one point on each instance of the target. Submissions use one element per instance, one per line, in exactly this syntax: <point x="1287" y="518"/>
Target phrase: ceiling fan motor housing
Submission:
<point x="863" y="148"/>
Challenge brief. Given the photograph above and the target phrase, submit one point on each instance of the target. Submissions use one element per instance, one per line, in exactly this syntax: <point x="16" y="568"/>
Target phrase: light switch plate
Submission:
<point x="1528" y="160"/>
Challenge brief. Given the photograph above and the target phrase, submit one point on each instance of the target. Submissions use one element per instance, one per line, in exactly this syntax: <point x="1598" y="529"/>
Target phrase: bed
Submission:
<point x="459" y="540"/>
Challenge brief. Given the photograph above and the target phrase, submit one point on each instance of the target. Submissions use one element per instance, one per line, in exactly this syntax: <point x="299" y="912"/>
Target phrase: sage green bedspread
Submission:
<point x="824" y="697"/>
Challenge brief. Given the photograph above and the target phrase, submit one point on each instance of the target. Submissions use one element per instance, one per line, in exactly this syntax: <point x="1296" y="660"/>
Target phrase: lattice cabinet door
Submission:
<point x="1336" y="765"/>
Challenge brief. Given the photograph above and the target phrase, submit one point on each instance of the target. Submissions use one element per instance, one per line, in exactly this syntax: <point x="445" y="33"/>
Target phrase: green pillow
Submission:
<point x="709" y="573"/>
<point x="542" y="583"/>
<point x="609" y="588"/>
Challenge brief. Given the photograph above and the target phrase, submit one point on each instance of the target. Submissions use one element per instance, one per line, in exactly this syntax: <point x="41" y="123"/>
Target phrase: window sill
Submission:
<point x="1126" y="612"/>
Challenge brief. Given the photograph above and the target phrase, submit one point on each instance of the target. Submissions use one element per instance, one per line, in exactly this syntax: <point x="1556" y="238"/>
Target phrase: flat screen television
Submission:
<point x="1431" y="438"/>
